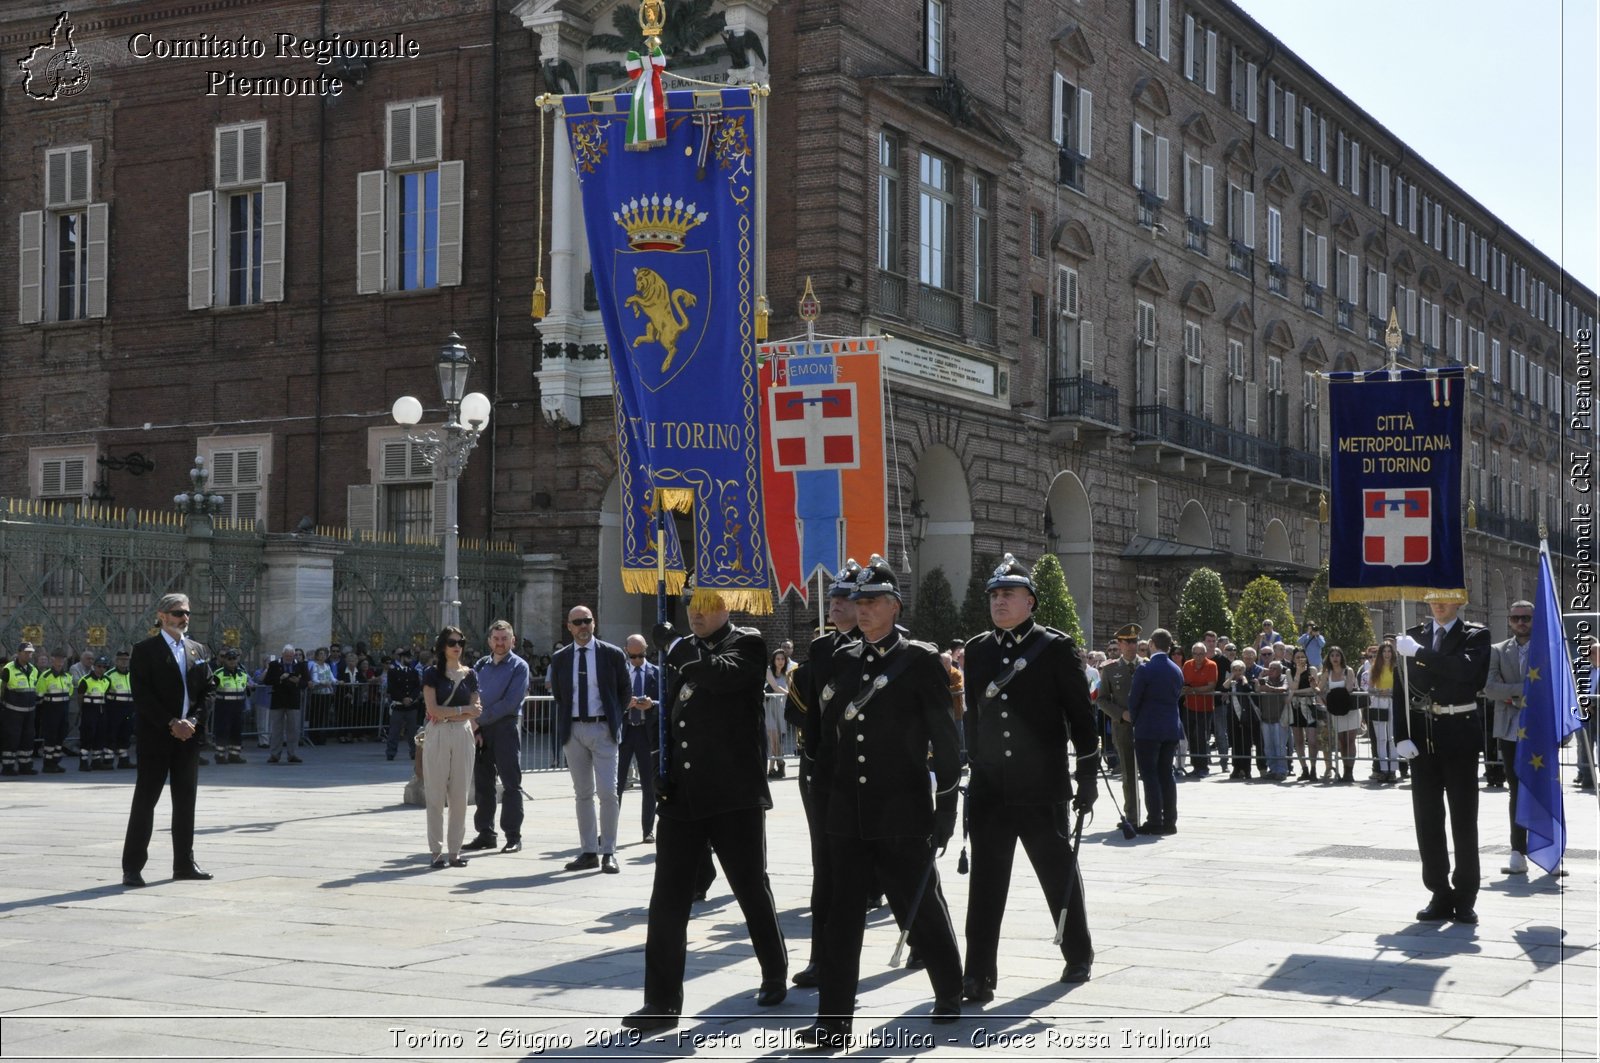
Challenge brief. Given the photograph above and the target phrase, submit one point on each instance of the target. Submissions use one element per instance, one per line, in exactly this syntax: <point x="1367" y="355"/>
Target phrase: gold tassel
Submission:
<point x="1322" y="508"/>
<point x="1472" y="515"/>
<point x="541" y="301"/>
<point x="762" y="313"/>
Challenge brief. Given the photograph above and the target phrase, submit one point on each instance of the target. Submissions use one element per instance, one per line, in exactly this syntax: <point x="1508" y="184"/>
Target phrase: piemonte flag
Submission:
<point x="1398" y="526"/>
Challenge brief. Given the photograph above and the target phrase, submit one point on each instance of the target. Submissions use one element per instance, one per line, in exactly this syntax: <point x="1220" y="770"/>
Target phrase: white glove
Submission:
<point x="1406" y="750"/>
<point x="1406" y="646"/>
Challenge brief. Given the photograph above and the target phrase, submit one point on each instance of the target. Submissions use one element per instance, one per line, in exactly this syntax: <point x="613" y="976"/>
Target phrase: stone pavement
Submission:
<point x="1276" y="925"/>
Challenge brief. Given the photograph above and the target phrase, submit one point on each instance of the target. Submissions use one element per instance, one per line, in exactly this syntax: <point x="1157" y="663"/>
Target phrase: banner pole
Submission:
<point x="661" y="619"/>
<point x="822" y="609"/>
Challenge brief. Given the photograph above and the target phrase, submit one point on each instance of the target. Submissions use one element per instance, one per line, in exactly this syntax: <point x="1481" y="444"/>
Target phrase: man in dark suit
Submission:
<point x="1153" y="702"/>
<point x="641" y="737"/>
<point x="589" y="680"/>
<point x="804" y="710"/>
<point x="171" y="676"/>
<point x="1447" y="662"/>
<point x="714" y="792"/>
<point x="1028" y="697"/>
<point x="1508" y="670"/>
<point x="887" y="727"/>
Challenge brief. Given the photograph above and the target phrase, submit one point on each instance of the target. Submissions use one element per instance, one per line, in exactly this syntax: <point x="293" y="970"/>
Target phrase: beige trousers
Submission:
<point x="446" y="778"/>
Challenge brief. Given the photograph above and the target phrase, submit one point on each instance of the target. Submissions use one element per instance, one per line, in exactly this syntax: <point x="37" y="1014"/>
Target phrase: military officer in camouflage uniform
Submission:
<point x="1116" y="680"/>
<point x="1027" y="697"/>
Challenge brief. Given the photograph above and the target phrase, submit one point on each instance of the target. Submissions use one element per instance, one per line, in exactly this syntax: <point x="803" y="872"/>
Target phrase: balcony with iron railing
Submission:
<point x="1079" y="397"/>
<point x="1301" y="465"/>
<point x="1241" y="259"/>
<point x="1149" y="209"/>
<point x="1345" y="316"/>
<point x="1197" y="236"/>
<point x="1073" y="168"/>
<point x="1312" y="299"/>
<point x="939" y="308"/>
<point x="1504" y="526"/>
<point x="891" y="294"/>
<point x="1375" y="329"/>
<point x="985" y="324"/>
<point x="1278" y="279"/>
<point x="1193" y="432"/>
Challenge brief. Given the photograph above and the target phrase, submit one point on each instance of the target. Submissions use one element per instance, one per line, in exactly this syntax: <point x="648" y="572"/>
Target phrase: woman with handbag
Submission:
<point x="450" y="692"/>
<point x="1380" y="712"/>
<point x="1337" y="682"/>
<point x="1303" y="712"/>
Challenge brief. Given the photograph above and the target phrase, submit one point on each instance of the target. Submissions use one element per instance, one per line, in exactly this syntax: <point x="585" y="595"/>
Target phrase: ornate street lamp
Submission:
<point x="197" y="502"/>
<point x="446" y="448"/>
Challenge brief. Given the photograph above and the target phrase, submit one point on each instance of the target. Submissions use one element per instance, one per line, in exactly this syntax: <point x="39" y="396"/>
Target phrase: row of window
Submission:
<point x="402" y="497"/>
<point x="409" y="221"/>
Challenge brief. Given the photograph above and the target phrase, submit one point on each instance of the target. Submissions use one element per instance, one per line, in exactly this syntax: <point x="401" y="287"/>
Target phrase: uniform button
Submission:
<point x="1008" y="753"/>
<point x="683" y="723"/>
<point x="685" y="745"/>
<point x="870" y="657"/>
<point x="1005" y="660"/>
<point x="865" y="678"/>
<point x="1006" y="734"/>
<point x="1003" y="715"/>
<point x="861" y="760"/>
<point x="861" y="719"/>
<point x="686" y="763"/>
<point x="862" y="779"/>
<point x="1004" y="697"/>
<point x="861" y="738"/>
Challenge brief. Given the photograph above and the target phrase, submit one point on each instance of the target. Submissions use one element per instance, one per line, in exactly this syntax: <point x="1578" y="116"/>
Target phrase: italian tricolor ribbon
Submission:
<point x="647" y="117"/>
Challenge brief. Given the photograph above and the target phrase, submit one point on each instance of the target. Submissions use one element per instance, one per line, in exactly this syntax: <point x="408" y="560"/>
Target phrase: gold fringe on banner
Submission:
<point x="1389" y="594"/>
<point x="643" y="581"/>
<point x="737" y="601"/>
<point x="676" y="499"/>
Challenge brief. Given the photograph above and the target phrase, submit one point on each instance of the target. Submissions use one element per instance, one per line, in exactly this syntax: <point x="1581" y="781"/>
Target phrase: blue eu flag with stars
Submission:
<point x="1549" y="715"/>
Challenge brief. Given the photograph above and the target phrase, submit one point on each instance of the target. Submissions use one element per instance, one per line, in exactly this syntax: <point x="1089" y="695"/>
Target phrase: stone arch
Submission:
<point x="1071" y="539"/>
<point x="943" y="496"/>
<point x="1194" y="526"/>
<point x="1279" y="335"/>
<point x="1275" y="545"/>
<point x="1239" y="154"/>
<point x="1072" y="238"/>
<point x="1150" y="93"/>
<point x="1314" y="204"/>
<point x="1197" y="297"/>
<point x="1345" y="362"/>
<point x="613" y="605"/>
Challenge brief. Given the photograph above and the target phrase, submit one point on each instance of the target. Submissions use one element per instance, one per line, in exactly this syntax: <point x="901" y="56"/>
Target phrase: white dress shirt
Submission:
<point x="182" y="658"/>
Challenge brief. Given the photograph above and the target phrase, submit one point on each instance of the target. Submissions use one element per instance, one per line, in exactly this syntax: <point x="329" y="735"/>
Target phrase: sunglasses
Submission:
<point x="582" y="621"/>
<point x="1522" y="619"/>
<point x="455" y="642"/>
<point x="635" y="656"/>
<point x="177" y="612"/>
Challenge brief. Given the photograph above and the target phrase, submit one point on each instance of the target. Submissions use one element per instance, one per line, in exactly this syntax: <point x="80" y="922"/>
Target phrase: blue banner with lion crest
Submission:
<point x="672" y="246"/>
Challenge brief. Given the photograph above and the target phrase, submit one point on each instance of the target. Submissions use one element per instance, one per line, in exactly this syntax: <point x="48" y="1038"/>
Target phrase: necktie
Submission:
<point x="1438" y="638"/>
<point x="638" y="682"/>
<point x="583" y="680"/>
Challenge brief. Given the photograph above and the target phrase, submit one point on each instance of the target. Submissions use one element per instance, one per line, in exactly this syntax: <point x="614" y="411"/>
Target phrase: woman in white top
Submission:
<point x="1337" y="683"/>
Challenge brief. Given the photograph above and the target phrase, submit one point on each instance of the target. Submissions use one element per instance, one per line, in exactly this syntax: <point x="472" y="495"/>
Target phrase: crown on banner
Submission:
<point x="657" y="223"/>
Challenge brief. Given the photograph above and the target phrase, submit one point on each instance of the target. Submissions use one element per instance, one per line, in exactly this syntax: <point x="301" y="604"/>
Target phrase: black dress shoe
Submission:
<point x="439" y="861"/>
<point x="456" y="861"/>
<point x="586" y="862"/>
<point x="978" y="990"/>
<point x="946" y="1010"/>
<point x="133" y="880"/>
<point x="1437" y="911"/>
<point x="823" y="1036"/>
<point x="513" y="845"/>
<point x="193" y="871"/>
<point x="771" y="993"/>
<point x="650" y="1018"/>
<point x="1150" y="828"/>
<point x="807" y="977"/>
<point x="1169" y="828"/>
<point x="608" y="864"/>
<point x="914" y="960"/>
<point x="1077" y="972"/>
<point x="649" y="837"/>
<point x="1465" y="914"/>
<point x="482" y="841"/>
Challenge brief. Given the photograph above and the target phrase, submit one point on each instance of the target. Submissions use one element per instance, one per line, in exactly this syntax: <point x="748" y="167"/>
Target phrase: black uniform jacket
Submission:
<point x="716" y="757"/>
<point x="876" y="759"/>
<point x="158" y="684"/>
<point x="1017" y="740"/>
<point x="804" y="707"/>
<point x="1453" y="676"/>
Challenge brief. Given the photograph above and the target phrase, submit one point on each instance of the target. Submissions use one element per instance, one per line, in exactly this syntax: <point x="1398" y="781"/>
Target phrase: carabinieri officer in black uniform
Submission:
<point x="886" y="728"/>
<point x="1026" y="695"/>
<point x="714" y="792"/>
<point x="1447" y="662"/>
<point x="804" y="711"/>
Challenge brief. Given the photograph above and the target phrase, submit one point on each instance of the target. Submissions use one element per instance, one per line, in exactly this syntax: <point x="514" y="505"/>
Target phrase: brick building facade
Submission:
<point x="1113" y="244"/>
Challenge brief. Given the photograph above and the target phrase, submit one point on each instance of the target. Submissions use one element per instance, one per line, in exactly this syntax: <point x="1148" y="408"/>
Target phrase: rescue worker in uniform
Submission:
<point x="713" y="792"/>
<point x="1447" y="663"/>
<point x="888" y="726"/>
<point x="1028" y="697"/>
<point x="119" y="713"/>
<point x="232" y="685"/>
<point x="94" y="741"/>
<point x="54" y="686"/>
<point x="18" y="700"/>
<point x="804" y="711"/>
<point x="1116" y="680"/>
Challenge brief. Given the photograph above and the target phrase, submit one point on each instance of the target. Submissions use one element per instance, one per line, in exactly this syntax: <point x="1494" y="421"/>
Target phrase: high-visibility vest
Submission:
<point x="18" y="682"/>
<point x="121" y="692"/>
<point x="93" y="689"/>
<point x="54" y="688"/>
<point x="231" y="685"/>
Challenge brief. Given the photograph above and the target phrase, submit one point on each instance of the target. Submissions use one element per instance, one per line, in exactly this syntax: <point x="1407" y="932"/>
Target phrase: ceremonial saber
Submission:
<point x="916" y="903"/>
<point x="1066" y="904"/>
<point x="1129" y="831"/>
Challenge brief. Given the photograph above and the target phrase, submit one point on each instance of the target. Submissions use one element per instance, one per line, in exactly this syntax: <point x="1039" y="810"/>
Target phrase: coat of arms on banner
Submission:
<point x="814" y="427"/>
<point x="1397" y="526"/>
<point x="662" y="291"/>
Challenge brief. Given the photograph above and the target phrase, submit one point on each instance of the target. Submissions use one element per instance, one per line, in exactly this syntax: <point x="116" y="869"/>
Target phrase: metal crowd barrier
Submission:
<point x="540" y="752"/>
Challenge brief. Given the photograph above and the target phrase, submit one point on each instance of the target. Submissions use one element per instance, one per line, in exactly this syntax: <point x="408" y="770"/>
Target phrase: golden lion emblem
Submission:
<point x="662" y="307"/>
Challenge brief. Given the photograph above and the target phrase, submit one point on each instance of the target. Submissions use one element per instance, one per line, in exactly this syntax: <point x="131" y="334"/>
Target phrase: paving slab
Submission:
<point x="1276" y="925"/>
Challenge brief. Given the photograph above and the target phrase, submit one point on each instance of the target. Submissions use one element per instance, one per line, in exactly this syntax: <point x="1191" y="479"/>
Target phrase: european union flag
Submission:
<point x="1549" y="715"/>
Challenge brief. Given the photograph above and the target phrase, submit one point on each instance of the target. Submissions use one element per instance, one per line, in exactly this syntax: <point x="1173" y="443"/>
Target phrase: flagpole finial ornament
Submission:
<point x="652" y="20"/>
<point x="810" y="305"/>
<point x="1391" y="335"/>
<point x="1544" y="531"/>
